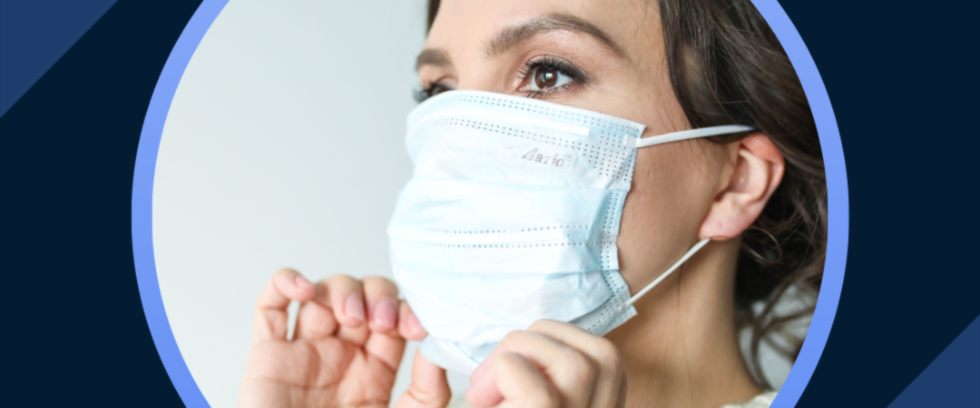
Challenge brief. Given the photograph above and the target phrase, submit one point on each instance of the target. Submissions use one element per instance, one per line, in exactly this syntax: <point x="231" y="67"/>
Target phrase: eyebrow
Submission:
<point x="512" y="36"/>
<point x="433" y="56"/>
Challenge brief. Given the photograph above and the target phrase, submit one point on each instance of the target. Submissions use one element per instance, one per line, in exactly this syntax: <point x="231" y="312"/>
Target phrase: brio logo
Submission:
<point x="549" y="160"/>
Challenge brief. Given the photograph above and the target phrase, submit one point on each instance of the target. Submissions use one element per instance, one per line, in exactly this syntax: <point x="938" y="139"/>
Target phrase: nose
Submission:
<point x="485" y="75"/>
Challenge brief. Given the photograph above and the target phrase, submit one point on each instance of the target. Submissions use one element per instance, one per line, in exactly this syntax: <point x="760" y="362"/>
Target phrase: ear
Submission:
<point x="758" y="169"/>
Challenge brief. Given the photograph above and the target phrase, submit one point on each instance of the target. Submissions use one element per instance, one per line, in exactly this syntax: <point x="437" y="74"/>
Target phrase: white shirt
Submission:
<point x="760" y="401"/>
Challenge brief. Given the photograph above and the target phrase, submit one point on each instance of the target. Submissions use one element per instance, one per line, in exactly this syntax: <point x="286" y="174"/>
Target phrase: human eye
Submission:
<point x="544" y="76"/>
<point x="426" y="91"/>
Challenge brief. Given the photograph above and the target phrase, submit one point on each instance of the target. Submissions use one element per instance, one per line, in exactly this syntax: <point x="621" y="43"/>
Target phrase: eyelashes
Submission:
<point x="426" y="91"/>
<point x="547" y="75"/>
<point x="539" y="78"/>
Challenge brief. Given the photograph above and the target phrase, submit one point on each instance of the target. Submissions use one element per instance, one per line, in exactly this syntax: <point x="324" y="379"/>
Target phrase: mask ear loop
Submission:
<point x="697" y="247"/>
<point x="674" y="137"/>
<point x="692" y="134"/>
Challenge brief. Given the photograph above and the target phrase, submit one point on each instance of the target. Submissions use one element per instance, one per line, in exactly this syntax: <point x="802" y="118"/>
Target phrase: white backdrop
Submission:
<point x="283" y="147"/>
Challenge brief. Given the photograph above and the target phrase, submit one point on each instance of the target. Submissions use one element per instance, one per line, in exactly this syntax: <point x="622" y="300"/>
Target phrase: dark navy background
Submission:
<point x="900" y="76"/>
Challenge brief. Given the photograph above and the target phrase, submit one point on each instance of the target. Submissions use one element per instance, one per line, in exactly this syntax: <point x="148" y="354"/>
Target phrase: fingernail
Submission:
<point x="354" y="307"/>
<point x="384" y="314"/>
<point x="412" y="323"/>
<point x="302" y="282"/>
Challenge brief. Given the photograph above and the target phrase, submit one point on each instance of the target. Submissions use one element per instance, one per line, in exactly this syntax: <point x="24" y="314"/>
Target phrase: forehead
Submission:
<point x="465" y="26"/>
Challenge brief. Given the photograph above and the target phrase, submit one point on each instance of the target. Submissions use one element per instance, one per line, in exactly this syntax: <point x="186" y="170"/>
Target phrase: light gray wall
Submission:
<point x="283" y="147"/>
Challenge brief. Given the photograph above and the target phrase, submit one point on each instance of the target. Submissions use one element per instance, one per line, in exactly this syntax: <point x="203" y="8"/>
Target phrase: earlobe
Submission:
<point x="758" y="170"/>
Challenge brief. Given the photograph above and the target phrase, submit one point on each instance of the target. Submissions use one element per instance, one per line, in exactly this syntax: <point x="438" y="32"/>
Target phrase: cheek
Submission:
<point x="666" y="203"/>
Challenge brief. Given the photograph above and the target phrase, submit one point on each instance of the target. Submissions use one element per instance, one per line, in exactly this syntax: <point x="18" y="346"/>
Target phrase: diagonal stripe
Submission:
<point x="34" y="35"/>
<point x="952" y="379"/>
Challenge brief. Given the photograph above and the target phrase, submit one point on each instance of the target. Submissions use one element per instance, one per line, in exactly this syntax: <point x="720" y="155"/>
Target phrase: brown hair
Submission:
<point x="726" y="66"/>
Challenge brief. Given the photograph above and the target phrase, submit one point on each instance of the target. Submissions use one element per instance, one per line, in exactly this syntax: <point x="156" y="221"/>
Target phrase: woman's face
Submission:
<point x="602" y="55"/>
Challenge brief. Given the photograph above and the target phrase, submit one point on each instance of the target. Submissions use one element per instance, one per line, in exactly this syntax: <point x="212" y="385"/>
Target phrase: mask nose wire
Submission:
<point x="697" y="247"/>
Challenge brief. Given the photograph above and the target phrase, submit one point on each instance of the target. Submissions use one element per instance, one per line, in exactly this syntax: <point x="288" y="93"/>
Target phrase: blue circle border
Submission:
<point x="142" y="210"/>
<point x="806" y="69"/>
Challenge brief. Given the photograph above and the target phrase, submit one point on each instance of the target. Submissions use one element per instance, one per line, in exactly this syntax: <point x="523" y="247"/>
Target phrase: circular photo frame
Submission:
<point x="146" y="160"/>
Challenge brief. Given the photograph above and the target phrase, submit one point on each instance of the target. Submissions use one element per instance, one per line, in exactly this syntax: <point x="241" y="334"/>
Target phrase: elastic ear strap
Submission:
<point x="697" y="247"/>
<point x="692" y="134"/>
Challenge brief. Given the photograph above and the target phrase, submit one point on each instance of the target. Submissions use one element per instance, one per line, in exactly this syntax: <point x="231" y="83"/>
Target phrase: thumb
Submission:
<point x="429" y="388"/>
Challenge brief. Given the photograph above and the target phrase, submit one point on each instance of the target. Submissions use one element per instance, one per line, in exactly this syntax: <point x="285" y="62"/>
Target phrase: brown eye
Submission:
<point x="545" y="77"/>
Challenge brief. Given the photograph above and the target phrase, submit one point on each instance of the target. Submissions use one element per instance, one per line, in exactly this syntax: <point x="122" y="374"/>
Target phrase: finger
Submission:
<point x="316" y="318"/>
<point x="345" y="295"/>
<point x="571" y="371"/>
<point x="611" y="378"/>
<point x="382" y="301"/>
<point x="384" y="341"/>
<point x="429" y="388"/>
<point x="409" y="325"/>
<point x="271" y="317"/>
<point x="512" y="381"/>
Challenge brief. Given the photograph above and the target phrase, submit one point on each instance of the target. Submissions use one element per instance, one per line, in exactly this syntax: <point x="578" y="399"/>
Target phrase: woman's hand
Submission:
<point x="346" y="347"/>
<point x="551" y="364"/>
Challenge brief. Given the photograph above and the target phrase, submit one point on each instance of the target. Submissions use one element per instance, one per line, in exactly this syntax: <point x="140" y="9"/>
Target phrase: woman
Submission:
<point x="755" y="197"/>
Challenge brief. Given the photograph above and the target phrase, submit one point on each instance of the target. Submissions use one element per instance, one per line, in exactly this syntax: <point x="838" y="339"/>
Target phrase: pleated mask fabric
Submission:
<point x="512" y="216"/>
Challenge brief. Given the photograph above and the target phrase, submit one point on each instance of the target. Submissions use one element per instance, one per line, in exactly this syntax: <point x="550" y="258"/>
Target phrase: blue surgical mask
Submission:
<point x="512" y="216"/>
